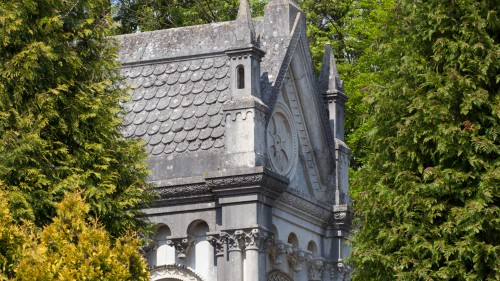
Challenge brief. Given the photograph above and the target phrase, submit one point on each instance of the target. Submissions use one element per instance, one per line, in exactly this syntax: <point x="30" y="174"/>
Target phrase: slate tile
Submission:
<point x="151" y="104"/>
<point x="219" y="61"/>
<point x="153" y="116"/>
<point x="219" y="142"/>
<point x="169" y="148"/>
<point x="221" y="72"/>
<point x="124" y="72"/>
<point x="196" y="64"/>
<point x="192" y="135"/>
<point x="161" y="79"/>
<point x="139" y="106"/>
<point x="159" y="69"/>
<point x="166" y="126"/>
<point x="135" y="71"/>
<point x="185" y="76"/>
<point x="200" y="98"/>
<point x="203" y="122"/>
<point x="207" y="63"/>
<point x="222" y="85"/>
<point x="198" y="87"/>
<point x="148" y="70"/>
<point x="212" y="97"/>
<point x="148" y="148"/>
<point x="141" y="130"/>
<point x="127" y="106"/>
<point x="209" y="74"/>
<point x="214" y="109"/>
<point x="158" y="149"/>
<point x="136" y="82"/>
<point x="173" y="78"/>
<point x="177" y="113"/>
<point x="155" y="139"/>
<point x="187" y="100"/>
<point x="149" y="81"/>
<point x="224" y="96"/>
<point x="190" y="123"/>
<point x="138" y="94"/>
<point x="150" y="93"/>
<point x="168" y="138"/>
<point x="178" y="126"/>
<point x="164" y="115"/>
<point x="186" y="88"/>
<point x="197" y="75"/>
<point x="201" y="110"/>
<point x="162" y="91"/>
<point x="194" y="145"/>
<point x="128" y="119"/>
<point x="217" y="132"/>
<point x="180" y="136"/>
<point x="140" y="117"/>
<point x="181" y="147"/>
<point x="129" y="131"/>
<point x="210" y="86"/>
<point x="154" y="128"/>
<point x="208" y="143"/>
<point x="171" y="68"/>
<point x="205" y="133"/>
<point x="174" y="90"/>
<point x="215" y="120"/>
<point x="184" y="66"/>
<point x="163" y="103"/>
<point x="175" y="102"/>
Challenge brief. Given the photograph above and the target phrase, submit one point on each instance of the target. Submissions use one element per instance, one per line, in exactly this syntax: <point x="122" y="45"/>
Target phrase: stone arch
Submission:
<point x="201" y="256"/>
<point x="313" y="248"/>
<point x="174" y="272"/>
<point x="275" y="232"/>
<point x="293" y="240"/>
<point x="163" y="253"/>
<point x="278" y="276"/>
<point x="240" y="77"/>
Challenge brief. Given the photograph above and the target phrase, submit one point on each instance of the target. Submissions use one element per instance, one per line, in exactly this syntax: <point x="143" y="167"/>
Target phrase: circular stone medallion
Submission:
<point x="281" y="141"/>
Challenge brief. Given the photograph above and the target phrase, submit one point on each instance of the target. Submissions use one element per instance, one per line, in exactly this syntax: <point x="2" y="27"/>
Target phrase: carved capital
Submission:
<point x="338" y="270"/>
<point x="278" y="251"/>
<point x="258" y="239"/>
<point x="316" y="267"/>
<point x="218" y="242"/>
<point x="181" y="245"/>
<point x="297" y="257"/>
<point x="342" y="217"/>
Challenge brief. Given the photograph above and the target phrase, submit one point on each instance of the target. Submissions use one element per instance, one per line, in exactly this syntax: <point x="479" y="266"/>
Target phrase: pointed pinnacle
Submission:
<point x="245" y="19"/>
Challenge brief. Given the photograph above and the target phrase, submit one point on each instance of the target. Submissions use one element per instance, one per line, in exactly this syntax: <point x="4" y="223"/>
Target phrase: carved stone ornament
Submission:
<point x="315" y="271"/>
<point x="218" y="243"/>
<point x="278" y="276"/>
<point x="174" y="272"/>
<point x="181" y="245"/>
<point x="258" y="239"/>
<point x="282" y="145"/>
<point x="278" y="251"/>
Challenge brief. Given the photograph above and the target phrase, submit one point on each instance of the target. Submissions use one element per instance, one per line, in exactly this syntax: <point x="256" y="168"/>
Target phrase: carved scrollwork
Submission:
<point x="278" y="276"/>
<point x="316" y="268"/>
<point x="258" y="239"/>
<point x="218" y="243"/>
<point x="181" y="245"/>
<point x="174" y="272"/>
<point x="297" y="257"/>
<point x="278" y="251"/>
<point x="282" y="146"/>
<point x="182" y="190"/>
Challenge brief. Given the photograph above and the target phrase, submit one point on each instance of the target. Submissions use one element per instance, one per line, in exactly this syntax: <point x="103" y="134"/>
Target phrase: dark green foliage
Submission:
<point x="431" y="205"/>
<point x="147" y="15"/>
<point x="59" y="113"/>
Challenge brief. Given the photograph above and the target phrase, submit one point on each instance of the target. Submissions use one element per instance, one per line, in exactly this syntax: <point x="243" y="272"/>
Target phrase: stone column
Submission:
<point x="219" y="244"/>
<point x="256" y="241"/>
<point x="235" y="266"/>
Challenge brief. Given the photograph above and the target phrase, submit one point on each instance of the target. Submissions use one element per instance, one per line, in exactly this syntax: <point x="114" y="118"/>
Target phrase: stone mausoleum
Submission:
<point x="245" y="144"/>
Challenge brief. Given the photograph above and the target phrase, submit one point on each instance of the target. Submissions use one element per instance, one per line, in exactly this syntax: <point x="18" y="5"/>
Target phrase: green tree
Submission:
<point x="60" y="113"/>
<point x="73" y="247"/>
<point x="431" y="205"/>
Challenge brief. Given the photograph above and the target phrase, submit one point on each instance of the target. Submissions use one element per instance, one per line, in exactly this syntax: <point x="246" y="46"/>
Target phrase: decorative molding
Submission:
<point x="278" y="276"/>
<point x="181" y="245"/>
<point x="306" y="205"/>
<point x="174" y="271"/>
<point x="187" y="190"/>
<point x="315" y="269"/>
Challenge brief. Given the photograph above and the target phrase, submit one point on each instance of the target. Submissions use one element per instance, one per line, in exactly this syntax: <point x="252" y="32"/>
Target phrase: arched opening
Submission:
<point x="311" y="247"/>
<point x="274" y="230"/>
<point x="201" y="256"/>
<point x="240" y="76"/>
<point x="292" y="239"/>
<point x="163" y="251"/>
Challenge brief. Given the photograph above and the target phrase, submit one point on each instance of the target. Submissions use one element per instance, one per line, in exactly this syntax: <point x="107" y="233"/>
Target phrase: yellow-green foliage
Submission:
<point x="72" y="247"/>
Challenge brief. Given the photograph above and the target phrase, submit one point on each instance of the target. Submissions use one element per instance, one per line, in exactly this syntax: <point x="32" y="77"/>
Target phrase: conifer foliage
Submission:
<point x="59" y="113"/>
<point x="431" y="208"/>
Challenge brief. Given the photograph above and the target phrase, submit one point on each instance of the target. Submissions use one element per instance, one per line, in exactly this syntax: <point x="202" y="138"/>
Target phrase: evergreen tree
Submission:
<point x="431" y="205"/>
<point x="72" y="247"/>
<point x="60" y="113"/>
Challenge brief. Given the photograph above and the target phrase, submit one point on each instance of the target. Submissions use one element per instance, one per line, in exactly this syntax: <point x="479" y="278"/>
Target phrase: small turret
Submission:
<point x="332" y="89"/>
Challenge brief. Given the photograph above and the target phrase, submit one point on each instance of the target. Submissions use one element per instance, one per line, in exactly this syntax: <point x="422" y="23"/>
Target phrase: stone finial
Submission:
<point x="329" y="76"/>
<point x="245" y="30"/>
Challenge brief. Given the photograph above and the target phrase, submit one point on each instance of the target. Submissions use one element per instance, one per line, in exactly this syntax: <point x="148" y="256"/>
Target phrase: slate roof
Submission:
<point x="176" y="106"/>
